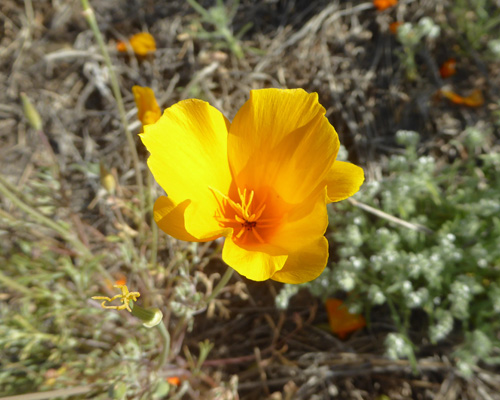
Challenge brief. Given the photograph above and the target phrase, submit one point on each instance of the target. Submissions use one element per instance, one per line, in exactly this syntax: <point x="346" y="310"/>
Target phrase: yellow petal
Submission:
<point x="143" y="43"/>
<point x="304" y="265"/>
<point x="281" y="139"/>
<point x="188" y="147"/>
<point x="148" y="110"/>
<point x="257" y="264"/>
<point x="302" y="224"/>
<point x="170" y="219"/>
<point x="343" y="180"/>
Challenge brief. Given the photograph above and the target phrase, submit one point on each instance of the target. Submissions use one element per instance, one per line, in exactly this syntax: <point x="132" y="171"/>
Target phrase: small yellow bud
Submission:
<point x="107" y="179"/>
<point x="31" y="113"/>
<point x="150" y="317"/>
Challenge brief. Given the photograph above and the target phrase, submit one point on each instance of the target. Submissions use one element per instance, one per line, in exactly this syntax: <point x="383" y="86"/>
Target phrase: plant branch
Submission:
<point x="88" y="12"/>
<point x="391" y="218"/>
<point x="222" y="283"/>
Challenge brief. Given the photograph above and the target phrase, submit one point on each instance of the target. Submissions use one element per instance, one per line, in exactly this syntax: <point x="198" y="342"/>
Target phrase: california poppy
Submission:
<point x="342" y="322"/>
<point x="448" y="68"/>
<point x="174" y="380"/>
<point x="142" y="44"/>
<point x="393" y="27"/>
<point x="262" y="181"/>
<point x="475" y="99"/>
<point x="382" y="5"/>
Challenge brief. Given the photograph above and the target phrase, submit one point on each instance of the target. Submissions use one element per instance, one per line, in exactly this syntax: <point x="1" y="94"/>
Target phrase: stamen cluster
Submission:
<point x="243" y="216"/>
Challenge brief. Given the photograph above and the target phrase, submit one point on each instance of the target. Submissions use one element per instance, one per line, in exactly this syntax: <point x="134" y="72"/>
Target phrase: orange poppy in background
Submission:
<point x="393" y="27"/>
<point x="120" y="280"/>
<point x="448" y="68"/>
<point x="382" y="5"/>
<point x="148" y="110"/>
<point x="475" y="99"/>
<point x="342" y="322"/>
<point x="261" y="181"/>
<point x="142" y="44"/>
<point x="174" y="380"/>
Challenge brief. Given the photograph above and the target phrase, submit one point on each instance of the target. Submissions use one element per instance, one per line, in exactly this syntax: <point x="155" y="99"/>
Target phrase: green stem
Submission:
<point x="166" y="344"/>
<point x="90" y="17"/>
<point x="402" y="331"/>
<point x="12" y="284"/>
<point x="199" y="9"/>
<point x="41" y="219"/>
<point x="222" y="283"/>
<point x="154" y="227"/>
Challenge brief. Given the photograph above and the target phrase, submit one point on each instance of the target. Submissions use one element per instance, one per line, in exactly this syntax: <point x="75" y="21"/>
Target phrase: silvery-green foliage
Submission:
<point x="453" y="274"/>
<point x="397" y="346"/>
<point x="494" y="47"/>
<point x="412" y="38"/>
<point x="442" y="326"/>
<point x="283" y="297"/>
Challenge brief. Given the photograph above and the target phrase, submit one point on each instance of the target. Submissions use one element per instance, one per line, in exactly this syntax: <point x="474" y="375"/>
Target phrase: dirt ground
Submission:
<point x="345" y="51"/>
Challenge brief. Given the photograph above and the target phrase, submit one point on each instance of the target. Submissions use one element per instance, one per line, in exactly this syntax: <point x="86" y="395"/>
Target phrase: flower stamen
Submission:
<point x="246" y="216"/>
<point x="125" y="297"/>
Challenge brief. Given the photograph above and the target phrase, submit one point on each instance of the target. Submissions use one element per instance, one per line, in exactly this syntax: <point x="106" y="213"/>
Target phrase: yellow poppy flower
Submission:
<point x="148" y="110"/>
<point x="142" y="43"/>
<point x="262" y="181"/>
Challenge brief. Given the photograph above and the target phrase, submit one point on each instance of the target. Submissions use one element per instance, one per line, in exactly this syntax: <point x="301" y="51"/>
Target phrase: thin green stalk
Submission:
<point x="154" y="227"/>
<point x="154" y="242"/>
<point x="41" y="219"/>
<point x="88" y="12"/>
<point x="222" y="283"/>
<point x="30" y="14"/>
<point x="166" y="344"/>
<point x="12" y="284"/>
<point x="53" y="394"/>
<point x="402" y="330"/>
<point x="199" y="9"/>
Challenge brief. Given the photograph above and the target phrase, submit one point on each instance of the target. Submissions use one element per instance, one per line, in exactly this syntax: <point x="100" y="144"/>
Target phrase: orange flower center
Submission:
<point x="248" y="217"/>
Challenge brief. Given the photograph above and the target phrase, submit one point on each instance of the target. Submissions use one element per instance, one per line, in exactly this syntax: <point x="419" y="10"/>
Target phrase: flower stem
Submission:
<point x="166" y="344"/>
<point x="222" y="283"/>
<point x="403" y="331"/>
<point x="88" y="12"/>
<point x="391" y="218"/>
<point x="12" y="284"/>
<point x="154" y="227"/>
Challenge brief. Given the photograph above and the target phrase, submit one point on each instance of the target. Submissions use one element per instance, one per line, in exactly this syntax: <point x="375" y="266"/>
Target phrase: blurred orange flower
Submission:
<point x="174" y="380"/>
<point x="148" y="110"/>
<point x="120" y="280"/>
<point x="342" y="322"/>
<point x="393" y="27"/>
<point x="475" y="99"/>
<point x="382" y="5"/>
<point x="448" y="68"/>
<point x="142" y="44"/>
